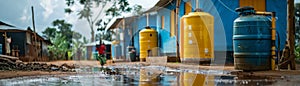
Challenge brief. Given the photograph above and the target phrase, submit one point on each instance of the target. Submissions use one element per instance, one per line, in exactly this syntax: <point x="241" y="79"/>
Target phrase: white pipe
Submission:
<point x="197" y="4"/>
<point x="147" y="16"/>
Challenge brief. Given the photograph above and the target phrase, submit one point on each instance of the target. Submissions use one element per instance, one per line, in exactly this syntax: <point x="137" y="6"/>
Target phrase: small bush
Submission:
<point x="297" y="53"/>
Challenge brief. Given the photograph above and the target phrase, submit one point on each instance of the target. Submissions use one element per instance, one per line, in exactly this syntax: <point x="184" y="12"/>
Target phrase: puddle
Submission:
<point x="144" y="76"/>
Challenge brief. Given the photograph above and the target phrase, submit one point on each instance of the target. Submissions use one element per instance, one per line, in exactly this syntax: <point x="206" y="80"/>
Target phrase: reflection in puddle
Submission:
<point x="191" y="79"/>
<point x="145" y="76"/>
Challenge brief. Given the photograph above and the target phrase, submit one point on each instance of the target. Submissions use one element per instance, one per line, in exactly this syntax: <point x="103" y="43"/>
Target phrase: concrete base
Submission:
<point x="162" y="59"/>
<point x="157" y="60"/>
<point x="196" y="60"/>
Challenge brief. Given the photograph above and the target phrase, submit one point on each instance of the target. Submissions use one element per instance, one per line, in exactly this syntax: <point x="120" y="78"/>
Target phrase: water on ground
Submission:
<point x="124" y="75"/>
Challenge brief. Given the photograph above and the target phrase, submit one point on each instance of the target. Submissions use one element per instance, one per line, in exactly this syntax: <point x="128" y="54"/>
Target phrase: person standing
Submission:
<point x="101" y="53"/>
<point x="7" y="45"/>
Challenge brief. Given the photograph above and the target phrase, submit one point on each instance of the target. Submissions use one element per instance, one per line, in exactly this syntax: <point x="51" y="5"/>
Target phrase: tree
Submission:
<point x="77" y="36"/>
<point x="118" y="7"/>
<point x="59" y="47"/>
<point x="137" y="10"/>
<point x="64" y="28"/>
<point x="49" y="33"/>
<point x="63" y="38"/>
<point x="60" y="26"/>
<point x="78" y="50"/>
<point x="105" y="36"/>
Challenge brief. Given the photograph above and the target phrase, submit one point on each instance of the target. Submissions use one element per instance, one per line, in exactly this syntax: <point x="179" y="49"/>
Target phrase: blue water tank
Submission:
<point x="251" y="41"/>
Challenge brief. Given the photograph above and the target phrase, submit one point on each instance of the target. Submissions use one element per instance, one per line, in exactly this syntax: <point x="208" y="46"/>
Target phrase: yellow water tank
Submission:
<point x="197" y="37"/>
<point x="148" y="43"/>
<point x="192" y="79"/>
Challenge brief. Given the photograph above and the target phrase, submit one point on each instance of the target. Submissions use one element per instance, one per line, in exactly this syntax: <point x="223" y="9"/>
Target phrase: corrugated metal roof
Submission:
<point x="2" y="27"/>
<point x="5" y="26"/>
<point x="160" y="4"/>
<point x="116" y="23"/>
<point x="8" y="27"/>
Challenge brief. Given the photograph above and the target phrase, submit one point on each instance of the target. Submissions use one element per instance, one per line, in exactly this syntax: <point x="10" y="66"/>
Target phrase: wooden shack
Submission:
<point x="24" y="44"/>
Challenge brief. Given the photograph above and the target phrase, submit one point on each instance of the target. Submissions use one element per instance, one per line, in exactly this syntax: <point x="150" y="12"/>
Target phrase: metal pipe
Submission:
<point x="273" y="41"/>
<point x="264" y="13"/>
<point x="147" y="19"/>
<point x="176" y="27"/>
<point x="197" y="4"/>
<point x="123" y="47"/>
<point x="273" y="26"/>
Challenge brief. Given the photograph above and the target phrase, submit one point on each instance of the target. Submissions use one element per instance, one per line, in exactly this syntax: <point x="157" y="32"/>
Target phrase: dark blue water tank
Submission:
<point x="251" y="41"/>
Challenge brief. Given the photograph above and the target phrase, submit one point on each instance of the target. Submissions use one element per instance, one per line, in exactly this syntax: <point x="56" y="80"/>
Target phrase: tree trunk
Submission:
<point x="93" y="35"/>
<point x="291" y="33"/>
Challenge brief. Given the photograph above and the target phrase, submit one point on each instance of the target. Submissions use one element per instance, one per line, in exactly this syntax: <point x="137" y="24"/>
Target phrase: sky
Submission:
<point x="18" y="13"/>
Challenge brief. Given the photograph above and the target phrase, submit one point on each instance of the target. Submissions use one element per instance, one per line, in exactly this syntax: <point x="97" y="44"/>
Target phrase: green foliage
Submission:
<point x="85" y="40"/>
<point x="137" y="9"/>
<point x="77" y="36"/>
<point x="105" y="36"/>
<point x="64" y="28"/>
<point x="78" y="50"/>
<point x="297" y="29"/>
<point x="49" y="33"/>
<point x="59" y="48"/>
<point x="297" y="52"/>
<point x="68" y="10"/>
<point x="118" y="7"/>
<point x="85" y="13"/>
<point x="102" y="24"/>
<point x="69" y="2"/>
<point x="62" y="38"/>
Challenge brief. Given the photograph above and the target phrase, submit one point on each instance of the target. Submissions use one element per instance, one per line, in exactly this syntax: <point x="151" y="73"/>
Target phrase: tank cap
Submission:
<point x="148" y="27"/>
<point x="247" y="10"/>
<point x="198" y="10"/>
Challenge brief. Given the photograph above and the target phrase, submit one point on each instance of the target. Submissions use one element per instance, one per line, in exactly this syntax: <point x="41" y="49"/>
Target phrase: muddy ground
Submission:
<point x="12" y="73"/>
<point x="269" y="74"/>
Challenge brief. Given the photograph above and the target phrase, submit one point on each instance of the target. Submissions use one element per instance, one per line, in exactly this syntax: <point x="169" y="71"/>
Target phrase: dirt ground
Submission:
<point x="11" y="74"/>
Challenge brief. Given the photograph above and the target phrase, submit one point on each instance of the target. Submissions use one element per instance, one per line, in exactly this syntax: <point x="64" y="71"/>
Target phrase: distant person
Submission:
<point x="101" y="52"/>
<point x="7" y="46"/>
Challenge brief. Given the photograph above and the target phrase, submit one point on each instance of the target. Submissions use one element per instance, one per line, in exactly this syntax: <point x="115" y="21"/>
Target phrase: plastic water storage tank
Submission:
<point x="197" y="37"/>
<point x="251" y="41"/>
<point x="148" y="43"/>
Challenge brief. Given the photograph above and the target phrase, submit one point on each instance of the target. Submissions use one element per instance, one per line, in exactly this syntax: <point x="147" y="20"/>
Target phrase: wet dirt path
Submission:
<point x="135" y="73"/>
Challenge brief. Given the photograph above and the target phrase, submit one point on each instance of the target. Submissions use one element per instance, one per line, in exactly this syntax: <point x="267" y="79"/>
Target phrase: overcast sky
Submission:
<point x="18" y="13"/>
